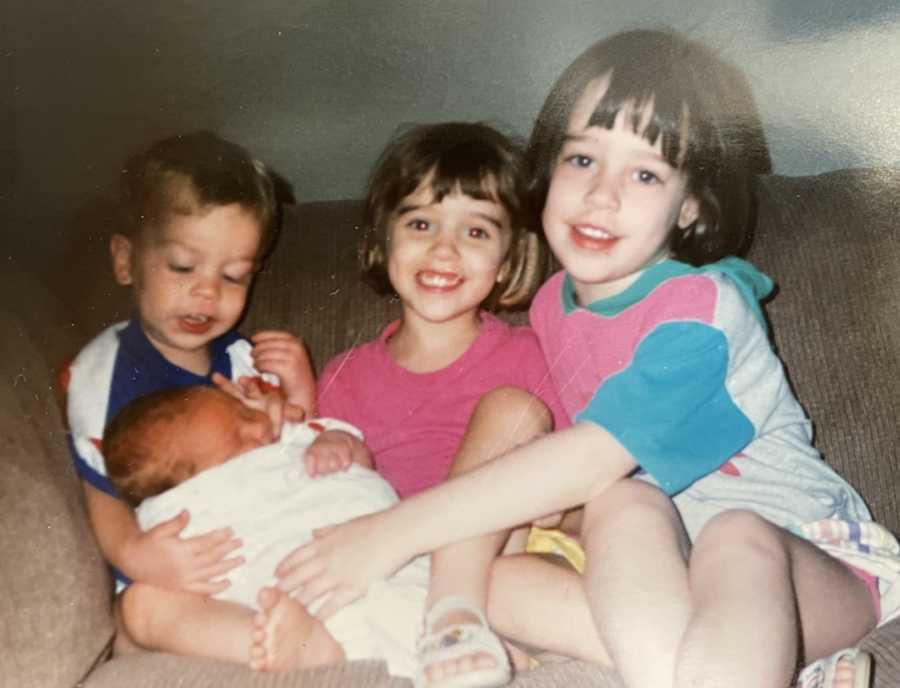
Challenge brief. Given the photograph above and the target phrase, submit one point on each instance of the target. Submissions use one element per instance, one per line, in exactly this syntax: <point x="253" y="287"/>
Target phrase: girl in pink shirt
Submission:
<point x="448" y="386"/>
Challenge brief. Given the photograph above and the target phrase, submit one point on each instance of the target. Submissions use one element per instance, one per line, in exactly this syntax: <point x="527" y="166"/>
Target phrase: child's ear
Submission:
<point x="503" y="272"/>
<point x="120" y="249"/>
<point x="690" y="211"/>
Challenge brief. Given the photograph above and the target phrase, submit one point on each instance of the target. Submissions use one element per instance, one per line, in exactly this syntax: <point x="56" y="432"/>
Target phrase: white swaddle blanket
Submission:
<point x="273" y="506"/>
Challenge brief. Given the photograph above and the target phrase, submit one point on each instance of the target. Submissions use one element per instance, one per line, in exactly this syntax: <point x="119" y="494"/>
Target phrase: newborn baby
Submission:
<point x="199" y="449"/>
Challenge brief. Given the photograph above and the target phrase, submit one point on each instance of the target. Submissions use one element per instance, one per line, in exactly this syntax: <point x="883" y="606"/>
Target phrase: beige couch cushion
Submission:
<point x="54" y="610"/>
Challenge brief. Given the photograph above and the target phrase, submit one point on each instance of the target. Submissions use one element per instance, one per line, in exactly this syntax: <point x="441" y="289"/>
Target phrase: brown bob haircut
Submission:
<point x="189" y="174"/>
<point x="703" y="110"/>
<point x="476" y="160"/>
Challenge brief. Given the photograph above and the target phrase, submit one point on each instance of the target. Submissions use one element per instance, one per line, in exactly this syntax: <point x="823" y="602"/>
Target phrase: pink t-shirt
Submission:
<point x="414" y="422"/>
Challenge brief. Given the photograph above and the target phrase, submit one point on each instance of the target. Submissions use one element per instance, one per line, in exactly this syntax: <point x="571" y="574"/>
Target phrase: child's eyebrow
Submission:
<point x="408" y="208"/>
<point x="649" y="154"/>
<point x="487" y="217"/>
<point x="491" y="219"/>
<point x="577" y="138"/>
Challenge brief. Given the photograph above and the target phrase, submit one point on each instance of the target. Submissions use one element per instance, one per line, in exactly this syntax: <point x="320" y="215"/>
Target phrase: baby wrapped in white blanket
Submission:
<point x="272" y="505"/>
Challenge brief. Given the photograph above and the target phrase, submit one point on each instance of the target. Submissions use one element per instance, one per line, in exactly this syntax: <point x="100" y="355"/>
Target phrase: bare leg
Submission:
<point x="286" y="636"/>
<point x="636" y="579"/>
<point x="528" y="598"/>
<point x="503" y="419"/>
<point x="199" y="626"/>
<point x="184" y="623"/>
<point x="803" y="602"/>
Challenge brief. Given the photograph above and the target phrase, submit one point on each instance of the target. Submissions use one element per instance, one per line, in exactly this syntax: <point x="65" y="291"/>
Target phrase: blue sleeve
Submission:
<point x="102" y="483"/>
<point x="670" y="407"/>
<point x="89" y="474"/>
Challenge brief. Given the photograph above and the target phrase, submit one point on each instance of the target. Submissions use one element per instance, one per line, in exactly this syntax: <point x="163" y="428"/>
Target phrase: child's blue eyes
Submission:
<point x="643" y="176"/>
<point x="579" y="160"/>
<point x="184" y="269"/>
<point x="646" y="177"/>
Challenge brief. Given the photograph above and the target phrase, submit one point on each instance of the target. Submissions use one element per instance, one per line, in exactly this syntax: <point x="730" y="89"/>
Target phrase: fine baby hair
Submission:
<point x="145" y="446"/>
<point x="701" y="108"/>
<point x="191" y="173"/>
<point x="475" y="160"/>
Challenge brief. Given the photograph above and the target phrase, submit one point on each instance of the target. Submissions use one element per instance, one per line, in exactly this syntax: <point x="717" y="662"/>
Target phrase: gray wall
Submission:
<point x="315" y="87"/>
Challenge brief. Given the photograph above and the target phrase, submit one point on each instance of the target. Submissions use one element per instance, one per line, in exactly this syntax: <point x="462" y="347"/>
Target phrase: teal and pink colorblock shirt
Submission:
<point x="680" y="370"/>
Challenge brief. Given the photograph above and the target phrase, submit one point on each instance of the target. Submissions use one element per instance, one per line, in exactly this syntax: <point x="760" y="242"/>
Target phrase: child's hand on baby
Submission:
<point x="340" y="561"/>
<point x="255" y="393"/>
<point x="196" y="564"/>
<point x="335" y="450"/>
<point x="284" y="355"/>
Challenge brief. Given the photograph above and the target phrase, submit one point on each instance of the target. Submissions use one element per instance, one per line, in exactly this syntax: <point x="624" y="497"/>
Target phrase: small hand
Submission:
<point x="255" y="393"/>
<point x="284" y="355"/>
<point x="196" y="564"/>
<point x="335" y="450"/>
<point x="339" y="561"/>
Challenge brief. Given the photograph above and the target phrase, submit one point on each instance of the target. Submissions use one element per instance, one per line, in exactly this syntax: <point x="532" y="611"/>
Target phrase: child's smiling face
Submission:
<point x="190" y="279"/>
<point x="613" y="201"/>
<point x="444" y="257"/>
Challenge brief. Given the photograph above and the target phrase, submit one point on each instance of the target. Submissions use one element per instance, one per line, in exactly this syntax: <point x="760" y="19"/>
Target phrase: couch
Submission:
<point x="831" y="242"/>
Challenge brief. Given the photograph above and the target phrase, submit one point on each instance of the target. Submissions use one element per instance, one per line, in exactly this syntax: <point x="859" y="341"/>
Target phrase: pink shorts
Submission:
<point x="871" y="584"/>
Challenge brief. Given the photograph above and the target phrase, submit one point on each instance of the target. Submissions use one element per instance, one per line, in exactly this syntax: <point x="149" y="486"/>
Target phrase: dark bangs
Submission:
<point x="480" y="166"/>
<point x="467" y="168"/>
<point x="635" y="89"/>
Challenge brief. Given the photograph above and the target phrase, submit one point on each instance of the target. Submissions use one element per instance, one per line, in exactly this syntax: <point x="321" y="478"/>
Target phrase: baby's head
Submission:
<point x="160" y="440"/>
<point x="425" y="164"/>
<point x="198" y="215"/>
<point x="680" y="96"/>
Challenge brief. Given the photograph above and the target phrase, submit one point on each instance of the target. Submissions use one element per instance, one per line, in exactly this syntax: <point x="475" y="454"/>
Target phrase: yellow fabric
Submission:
<point x="553" y="541"/>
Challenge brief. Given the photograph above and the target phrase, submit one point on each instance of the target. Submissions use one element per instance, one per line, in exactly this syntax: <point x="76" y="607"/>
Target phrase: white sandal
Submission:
<point x="847" y="668"/>
<point x="459" y="640"/>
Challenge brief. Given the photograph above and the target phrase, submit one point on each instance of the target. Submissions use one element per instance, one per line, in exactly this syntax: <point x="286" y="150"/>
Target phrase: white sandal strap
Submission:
<point x="452" y="603"/>
<point x="458" y="639"/>
<point x="823" y="673"/>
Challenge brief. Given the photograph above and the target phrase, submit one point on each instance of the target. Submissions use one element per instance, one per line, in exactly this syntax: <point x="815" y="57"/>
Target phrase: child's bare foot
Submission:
<point x="286" y="636"/>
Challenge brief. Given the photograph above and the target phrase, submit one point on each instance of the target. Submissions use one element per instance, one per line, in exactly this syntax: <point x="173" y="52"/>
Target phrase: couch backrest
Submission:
<point x="832" y="245"/>
<point x="311" y="283"/>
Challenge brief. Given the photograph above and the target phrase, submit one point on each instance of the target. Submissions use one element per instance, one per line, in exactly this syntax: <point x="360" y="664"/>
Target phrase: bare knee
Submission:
<point x="135" y="607"/>
<point x="628" y="503"/>
<point x="513" y="407"/>
<point x="504" y="418"/>
<point x="740" y="533"/>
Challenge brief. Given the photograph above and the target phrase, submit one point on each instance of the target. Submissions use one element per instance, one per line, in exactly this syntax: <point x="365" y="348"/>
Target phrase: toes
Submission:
<point x="461" y="665"/>
<point x="268" y="597"/>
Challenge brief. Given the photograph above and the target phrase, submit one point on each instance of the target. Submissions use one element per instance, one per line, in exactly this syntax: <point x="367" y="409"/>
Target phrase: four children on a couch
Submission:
<point x="650" y="361"/>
